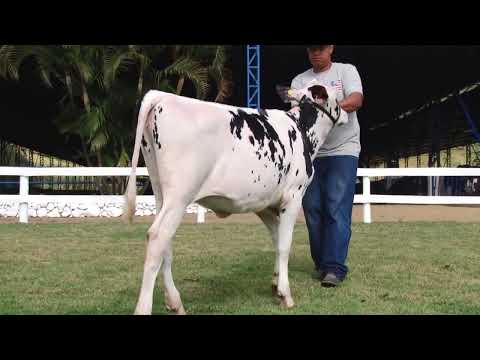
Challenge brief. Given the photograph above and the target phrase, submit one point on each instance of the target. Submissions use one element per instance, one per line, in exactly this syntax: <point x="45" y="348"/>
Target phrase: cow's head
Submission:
<point x="323" y="98"/>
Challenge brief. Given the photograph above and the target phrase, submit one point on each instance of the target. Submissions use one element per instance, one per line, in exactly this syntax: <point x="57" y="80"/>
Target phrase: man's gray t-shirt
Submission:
<point x="344" y="139"/>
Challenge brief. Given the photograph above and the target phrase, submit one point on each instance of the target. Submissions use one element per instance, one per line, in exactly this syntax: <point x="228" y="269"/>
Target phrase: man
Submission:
<point x="328" y="202"/>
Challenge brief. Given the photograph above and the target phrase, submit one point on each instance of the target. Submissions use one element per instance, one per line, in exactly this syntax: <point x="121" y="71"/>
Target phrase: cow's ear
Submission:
<point x="318" y="93"/>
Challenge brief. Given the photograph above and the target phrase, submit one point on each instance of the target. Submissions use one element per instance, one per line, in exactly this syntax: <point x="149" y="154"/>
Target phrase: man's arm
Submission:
<point x="352" y="103"/>
<point x="353" y="90"/>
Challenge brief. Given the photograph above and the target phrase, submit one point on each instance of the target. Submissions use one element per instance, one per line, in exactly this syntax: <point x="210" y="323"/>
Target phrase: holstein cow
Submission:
<point x="230" y="160"/>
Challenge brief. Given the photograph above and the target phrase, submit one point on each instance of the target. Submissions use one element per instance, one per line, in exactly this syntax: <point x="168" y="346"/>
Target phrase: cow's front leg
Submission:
<point x="271" y="221"/>
<point x="288" y="217"/>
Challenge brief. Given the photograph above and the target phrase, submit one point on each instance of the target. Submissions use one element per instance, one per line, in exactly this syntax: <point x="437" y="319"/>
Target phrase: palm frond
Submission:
<point x="99" y="140"/>
<point x="69" y="120"/>
<point x="191" y="70"/>
<point x="11" y="58"/>
<point x="123" y="159"/>
<point x="115" y="62"/>
<point x="224" y="82"/>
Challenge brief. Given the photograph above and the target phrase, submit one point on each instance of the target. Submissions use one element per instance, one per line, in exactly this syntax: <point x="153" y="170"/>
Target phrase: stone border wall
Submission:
<point x="59" y="209"/>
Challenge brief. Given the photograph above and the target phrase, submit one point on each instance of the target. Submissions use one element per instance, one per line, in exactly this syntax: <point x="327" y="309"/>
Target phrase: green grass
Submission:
<point x="96" y="268"/>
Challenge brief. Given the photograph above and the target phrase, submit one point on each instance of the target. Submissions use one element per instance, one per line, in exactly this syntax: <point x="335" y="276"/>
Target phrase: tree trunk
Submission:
<point x="85" y="152"/>
<point x="139" y="94"/>
<point x="86" y="98"/>
<point x="68" y="81"/>
<point x="86" y="104"/>
<point x="180" y="84"/>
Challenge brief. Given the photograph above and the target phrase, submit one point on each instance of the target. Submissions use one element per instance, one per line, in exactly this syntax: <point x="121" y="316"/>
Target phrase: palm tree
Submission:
<point x="77" y="69"/>
<point x="214" y="58"/>
<point x="87" y="73"/>
<point x="99" y="102"/>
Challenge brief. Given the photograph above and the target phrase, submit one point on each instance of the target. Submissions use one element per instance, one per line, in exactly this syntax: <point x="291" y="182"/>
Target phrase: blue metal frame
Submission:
<point x="253" y="76"/>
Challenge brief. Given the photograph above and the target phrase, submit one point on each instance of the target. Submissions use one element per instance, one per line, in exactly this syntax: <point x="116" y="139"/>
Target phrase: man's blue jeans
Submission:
<point x="328" y="204"/>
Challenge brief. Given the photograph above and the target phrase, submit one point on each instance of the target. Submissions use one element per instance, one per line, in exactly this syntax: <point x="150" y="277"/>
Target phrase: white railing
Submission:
<point x="366" y="198"/>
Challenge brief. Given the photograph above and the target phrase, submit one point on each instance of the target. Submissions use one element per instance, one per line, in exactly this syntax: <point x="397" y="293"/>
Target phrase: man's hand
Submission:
<point x="352" y="103"/>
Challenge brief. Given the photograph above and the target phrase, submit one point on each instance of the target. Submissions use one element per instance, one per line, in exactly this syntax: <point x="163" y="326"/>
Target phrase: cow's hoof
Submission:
<point x="179" y="310"/>
<point x="174" y="304"/>
<point x="139" y="312"/>
<point x="287" y="302"/>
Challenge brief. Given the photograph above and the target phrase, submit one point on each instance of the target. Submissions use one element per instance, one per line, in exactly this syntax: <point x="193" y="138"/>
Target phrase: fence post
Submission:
<point x="367" y="210"/>
<point x="201" y="214"/>
<point x="23" y="207"/>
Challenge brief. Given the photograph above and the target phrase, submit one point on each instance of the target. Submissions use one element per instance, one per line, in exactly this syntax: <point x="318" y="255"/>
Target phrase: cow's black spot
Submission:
<point x="261" y="130"/>
<point x="287" y="170"/>
<point x="292" y="136"/>
<point x="283" y="211"/>
<point x="155" y="135"/>
<point x="144" y="143"/>
<point x="296" y="174"/>
<point x="300" y="187"/>
<point x="273" y="150"/>
<point x="258" y="178"/>
<point x="252" y="141"/>
<point x="293" y="117"/>
<point x="307" y="119"/>
<point x="252" y="171"/>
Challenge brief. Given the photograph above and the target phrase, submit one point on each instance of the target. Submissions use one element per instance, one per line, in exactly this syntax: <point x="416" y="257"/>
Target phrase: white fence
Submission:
<point x="23" y="199"/>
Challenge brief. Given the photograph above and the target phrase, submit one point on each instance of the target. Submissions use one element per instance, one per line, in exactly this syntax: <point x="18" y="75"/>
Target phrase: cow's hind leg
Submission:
<point x="271" y="221"/>
<point x="159" y="239"/>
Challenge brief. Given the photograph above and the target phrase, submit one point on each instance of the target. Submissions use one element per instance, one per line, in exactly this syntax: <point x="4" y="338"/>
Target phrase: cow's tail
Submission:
<point x="149" y="100"/>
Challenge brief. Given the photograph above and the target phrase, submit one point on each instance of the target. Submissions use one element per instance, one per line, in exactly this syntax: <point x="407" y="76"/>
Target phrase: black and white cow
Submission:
<point x="230" y="160"/>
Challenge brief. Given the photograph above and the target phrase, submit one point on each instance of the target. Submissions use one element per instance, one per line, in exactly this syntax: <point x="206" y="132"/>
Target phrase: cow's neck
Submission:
<point x="315" y="127"/>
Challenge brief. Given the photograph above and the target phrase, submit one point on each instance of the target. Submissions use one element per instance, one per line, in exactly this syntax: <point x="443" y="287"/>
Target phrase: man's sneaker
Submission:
<point x="330" y="280"/>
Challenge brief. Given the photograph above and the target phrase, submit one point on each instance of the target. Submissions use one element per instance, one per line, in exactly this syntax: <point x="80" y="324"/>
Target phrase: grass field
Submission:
<point x="96" y="268"/>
